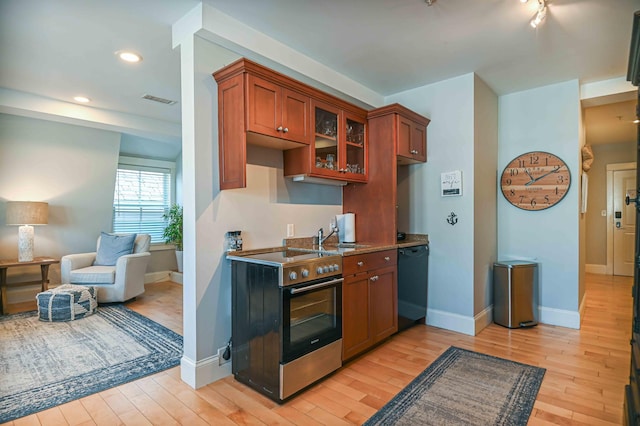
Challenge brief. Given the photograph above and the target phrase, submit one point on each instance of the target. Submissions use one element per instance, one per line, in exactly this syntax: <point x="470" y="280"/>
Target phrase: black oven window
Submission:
<point x="312" y="314"/>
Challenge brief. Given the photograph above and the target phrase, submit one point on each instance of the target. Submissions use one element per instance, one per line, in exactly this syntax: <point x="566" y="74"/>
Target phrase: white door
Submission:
<point x="624" y="222"/>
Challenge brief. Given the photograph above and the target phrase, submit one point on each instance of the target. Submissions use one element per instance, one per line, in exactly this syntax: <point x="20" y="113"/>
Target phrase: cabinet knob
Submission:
<point x="414" y="151"/>
<point x="286" y="129"/>
<point x="360" y="263"/>
<point x="386" y="258"/>
<point x="279" y="129"/>
<point x="374" y="278"/>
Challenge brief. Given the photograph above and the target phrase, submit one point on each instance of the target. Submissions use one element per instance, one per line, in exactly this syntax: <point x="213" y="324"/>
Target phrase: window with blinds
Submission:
<point x="142" y="195"/>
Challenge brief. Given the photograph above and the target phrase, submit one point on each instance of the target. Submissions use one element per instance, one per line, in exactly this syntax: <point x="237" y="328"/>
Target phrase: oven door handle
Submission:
<point x="316" y="286"/>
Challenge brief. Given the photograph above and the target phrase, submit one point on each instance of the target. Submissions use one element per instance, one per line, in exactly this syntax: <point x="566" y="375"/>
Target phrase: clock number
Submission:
<point x="521" y="162"/>
<point x="556" y="190"/>
<point x="508" y="181"/>
<point x="546" y="199"/>
<point x="533" y="202"/>
<point x="534" y="159"/>
<point x="521" y="199"/>
<point x="512" y="192"/>
<point x="560" y="179"/>
<point x="513" y="172"/>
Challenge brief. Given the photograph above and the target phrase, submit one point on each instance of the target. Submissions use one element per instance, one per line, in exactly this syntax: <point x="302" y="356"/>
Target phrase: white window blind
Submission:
<point x="142" y="196"/>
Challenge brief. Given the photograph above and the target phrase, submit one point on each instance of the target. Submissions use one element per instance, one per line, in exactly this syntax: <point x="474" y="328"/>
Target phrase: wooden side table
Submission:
<point x="43" y="262"/>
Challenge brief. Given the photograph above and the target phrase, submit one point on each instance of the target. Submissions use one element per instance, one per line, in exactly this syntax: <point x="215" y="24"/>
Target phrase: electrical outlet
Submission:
<point x="221" y="360"/>
<point x="290" y="230"/>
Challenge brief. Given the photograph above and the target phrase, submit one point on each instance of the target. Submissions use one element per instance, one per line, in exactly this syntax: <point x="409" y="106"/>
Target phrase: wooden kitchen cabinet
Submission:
<point x="390" y="128"/>
<point x="338" y="148"/>
<point x="411" y="141"/>
<point x="259" y="106"/>
<point x="369" y="301"/>
<point x="276" y="111"/>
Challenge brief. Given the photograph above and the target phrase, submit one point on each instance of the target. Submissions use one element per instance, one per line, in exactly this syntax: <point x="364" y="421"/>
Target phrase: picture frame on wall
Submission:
<point x="451" y="184"/>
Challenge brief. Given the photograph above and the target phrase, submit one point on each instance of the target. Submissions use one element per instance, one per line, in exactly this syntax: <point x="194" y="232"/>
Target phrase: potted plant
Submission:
<point x="173" y="231"/>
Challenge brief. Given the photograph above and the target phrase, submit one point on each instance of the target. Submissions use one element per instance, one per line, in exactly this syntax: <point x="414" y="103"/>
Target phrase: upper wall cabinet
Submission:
<point x="410" y="133"/>
<point x="338" y="148"/>
<point x="259" y="106"/>
<point x="276" y="111"/>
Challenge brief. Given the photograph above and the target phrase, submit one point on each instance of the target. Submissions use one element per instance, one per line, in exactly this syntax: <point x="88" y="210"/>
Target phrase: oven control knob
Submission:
<point x="319" y="271"/>
<point x="330" y="268"/>
<point x="293" y="276"/>
<point x="305" y="273"/>
<point x="336" y="267"/>
<point x="326" y="269"/>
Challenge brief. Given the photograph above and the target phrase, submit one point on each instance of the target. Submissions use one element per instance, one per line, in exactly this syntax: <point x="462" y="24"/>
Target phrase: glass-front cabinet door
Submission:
<point x="339" y="144"/>
<point x="355" y="148"/>
<point x="326" y="158"/>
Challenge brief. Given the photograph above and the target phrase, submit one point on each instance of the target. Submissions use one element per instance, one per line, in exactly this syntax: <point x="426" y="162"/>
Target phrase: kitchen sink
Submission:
<point x="352" y="245"/>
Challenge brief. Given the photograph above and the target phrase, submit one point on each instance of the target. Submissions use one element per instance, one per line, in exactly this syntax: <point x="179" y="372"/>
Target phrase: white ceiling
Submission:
<point x="60" y="48"/>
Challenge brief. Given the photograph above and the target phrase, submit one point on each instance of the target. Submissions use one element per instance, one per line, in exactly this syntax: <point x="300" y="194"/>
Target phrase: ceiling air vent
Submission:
<point x="157" y="99"/>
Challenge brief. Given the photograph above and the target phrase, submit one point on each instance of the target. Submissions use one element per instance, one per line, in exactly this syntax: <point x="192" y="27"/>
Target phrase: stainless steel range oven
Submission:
<point x="286" y="320"/>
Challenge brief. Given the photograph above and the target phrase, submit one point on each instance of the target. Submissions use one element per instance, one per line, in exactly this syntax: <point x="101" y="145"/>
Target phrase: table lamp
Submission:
<point x="25" y="214"/>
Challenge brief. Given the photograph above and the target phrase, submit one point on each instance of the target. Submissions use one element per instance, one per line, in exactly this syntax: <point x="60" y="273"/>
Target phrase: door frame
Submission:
<point x="610" y="169"/>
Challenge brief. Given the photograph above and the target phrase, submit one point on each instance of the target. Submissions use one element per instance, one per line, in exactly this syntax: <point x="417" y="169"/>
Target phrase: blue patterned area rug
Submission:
<point x="45" y="364"/>
<point x="462" y="387"/>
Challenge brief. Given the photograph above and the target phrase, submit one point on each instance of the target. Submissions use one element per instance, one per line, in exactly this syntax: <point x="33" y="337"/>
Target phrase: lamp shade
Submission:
<point x="27" y="213"/>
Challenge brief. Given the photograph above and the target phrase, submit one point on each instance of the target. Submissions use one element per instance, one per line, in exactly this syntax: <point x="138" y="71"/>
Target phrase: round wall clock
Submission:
<point x="535" y="180"/>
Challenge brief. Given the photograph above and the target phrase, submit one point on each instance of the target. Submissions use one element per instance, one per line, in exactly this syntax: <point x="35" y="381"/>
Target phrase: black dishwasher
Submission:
<point x="413" y="278"/>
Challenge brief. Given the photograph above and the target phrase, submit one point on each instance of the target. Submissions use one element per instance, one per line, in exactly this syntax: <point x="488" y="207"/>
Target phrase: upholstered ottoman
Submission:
<point x="67" y="302"/>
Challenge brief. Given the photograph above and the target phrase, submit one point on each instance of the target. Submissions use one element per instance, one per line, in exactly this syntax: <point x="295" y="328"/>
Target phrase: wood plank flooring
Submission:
<point x="584" y="383"/>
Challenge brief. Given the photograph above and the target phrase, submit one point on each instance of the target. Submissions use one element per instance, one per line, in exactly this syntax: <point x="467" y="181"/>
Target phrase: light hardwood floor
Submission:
<point x="584" y="382"/>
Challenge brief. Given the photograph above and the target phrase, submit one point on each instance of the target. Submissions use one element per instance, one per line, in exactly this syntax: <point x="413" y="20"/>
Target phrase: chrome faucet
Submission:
<point x="322" y="238"/>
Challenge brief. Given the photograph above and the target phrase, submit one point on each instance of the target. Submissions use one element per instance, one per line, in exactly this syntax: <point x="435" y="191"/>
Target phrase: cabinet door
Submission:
<point x="404" y="136"/>
<point x="419" y="142"/>
<point x="411" y="141"/>
<point x="325" y="150"/>
<point x="383" y="294"/>
<point x="295" y="116"/>
<point x="355" y="163"/>
<point x="355" y="315"/>
<point x="264" y="103"/>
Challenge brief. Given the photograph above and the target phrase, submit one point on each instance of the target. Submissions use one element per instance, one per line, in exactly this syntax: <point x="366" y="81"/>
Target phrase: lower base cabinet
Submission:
<point x="369" y="301"/>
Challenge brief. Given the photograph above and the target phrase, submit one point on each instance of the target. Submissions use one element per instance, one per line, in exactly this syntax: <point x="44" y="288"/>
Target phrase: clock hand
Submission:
<point x="529" y="174"/>
<point x="544" y="175"/>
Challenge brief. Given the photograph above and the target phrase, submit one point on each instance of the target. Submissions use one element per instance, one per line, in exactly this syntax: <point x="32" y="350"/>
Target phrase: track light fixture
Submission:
<point x="542" y="12"/>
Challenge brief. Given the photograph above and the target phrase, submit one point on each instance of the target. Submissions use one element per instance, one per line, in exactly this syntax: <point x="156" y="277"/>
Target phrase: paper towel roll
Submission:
<point x="347" y="227"/>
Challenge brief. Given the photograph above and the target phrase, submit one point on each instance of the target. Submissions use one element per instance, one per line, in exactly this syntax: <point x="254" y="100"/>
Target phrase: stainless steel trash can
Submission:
<point x="515" y="293"/>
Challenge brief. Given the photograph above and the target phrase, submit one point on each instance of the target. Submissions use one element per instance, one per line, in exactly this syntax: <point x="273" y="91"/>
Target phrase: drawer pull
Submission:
<point x="279" y="128"/>
<point x="360" y="263"/>
<point x="387" y="258"/>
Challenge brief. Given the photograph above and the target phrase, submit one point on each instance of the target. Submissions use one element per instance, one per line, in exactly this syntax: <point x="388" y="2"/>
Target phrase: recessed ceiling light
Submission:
<point x="82" y="99"/>
<point x="129" y="56"/>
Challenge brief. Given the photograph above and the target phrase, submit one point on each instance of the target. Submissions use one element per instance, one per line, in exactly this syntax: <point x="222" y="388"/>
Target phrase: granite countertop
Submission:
<point x="331" y="246"/>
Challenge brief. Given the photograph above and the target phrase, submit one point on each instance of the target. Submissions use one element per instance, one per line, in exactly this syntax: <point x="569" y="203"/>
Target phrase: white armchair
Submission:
<point x="118" y="283"/>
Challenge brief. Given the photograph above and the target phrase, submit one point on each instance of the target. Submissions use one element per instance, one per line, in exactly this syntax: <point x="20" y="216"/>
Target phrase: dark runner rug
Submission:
<point x="463" y="387"/>
<point x="44" y="364"/>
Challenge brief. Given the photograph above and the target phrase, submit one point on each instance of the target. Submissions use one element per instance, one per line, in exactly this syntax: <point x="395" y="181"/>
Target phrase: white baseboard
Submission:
<point x="203" y="372"/>
<point x="473" y="326"/>
<point x="451" y="321"/>
<point x="595" y="269"/>
<point x="483" y="319"/>
<point x="559" y="317"/>
<point x="154" y="277"/>
<point x="176" y="277"/>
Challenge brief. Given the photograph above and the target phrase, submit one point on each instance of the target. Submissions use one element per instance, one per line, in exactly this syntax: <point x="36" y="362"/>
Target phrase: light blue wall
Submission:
<point x="544" y="119"/>
<point x="450" y="146"/>
<point x="72" y="168"/>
